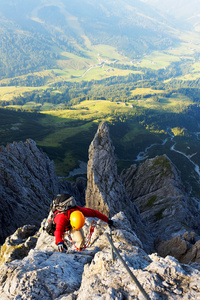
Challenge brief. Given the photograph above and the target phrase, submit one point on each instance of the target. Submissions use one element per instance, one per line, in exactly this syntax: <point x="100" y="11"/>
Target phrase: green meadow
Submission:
<point x="158" y="60"/>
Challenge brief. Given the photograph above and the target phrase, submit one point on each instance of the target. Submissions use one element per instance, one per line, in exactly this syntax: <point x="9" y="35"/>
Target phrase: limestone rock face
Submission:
<point x="182" y="247"/>
<point x="28" y="183"/>
<point x="192" y="255"/>
<point x="105" y="191"/>
<point x="91" y="274"/>
<point x="154" y="175"/>
<point x="18" y="245"/>
<point x="44" y="273"/>
<point x="156" y="188"/>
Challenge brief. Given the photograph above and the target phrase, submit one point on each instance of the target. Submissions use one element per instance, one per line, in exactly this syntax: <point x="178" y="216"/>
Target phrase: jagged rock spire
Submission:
<point x="105" y="191"/>
<point x="101" y="172"/>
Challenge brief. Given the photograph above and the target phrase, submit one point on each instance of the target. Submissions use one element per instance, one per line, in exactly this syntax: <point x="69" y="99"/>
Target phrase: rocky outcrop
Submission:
<point x="33" y="269"/>
<point x="91" y="274"/>
<point x="182" y="247"/>
<point x="154" y="175"/>
<point x="156" y="188"/>
<point x="105" y="191"/>
<point x="18" y="245"/>
<point x="28" y="183"/>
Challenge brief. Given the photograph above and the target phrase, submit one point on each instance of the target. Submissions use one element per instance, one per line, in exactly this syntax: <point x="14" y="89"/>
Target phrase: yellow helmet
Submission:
<point x="77" y="219"/>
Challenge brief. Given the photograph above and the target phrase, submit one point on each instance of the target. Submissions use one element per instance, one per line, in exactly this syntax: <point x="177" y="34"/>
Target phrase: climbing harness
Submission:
<point x="87" y="243"/>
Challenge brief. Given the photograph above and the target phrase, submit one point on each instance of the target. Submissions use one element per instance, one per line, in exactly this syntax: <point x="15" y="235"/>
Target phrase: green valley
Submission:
<point x="60" y="77"/>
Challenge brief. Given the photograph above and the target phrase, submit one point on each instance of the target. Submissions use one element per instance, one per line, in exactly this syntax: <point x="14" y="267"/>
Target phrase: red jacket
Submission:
<point x="62" y="220"/>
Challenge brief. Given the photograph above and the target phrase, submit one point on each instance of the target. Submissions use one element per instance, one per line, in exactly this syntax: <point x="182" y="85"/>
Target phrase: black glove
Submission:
<point x="61" y="247"/>
<point x="112" y="224"/>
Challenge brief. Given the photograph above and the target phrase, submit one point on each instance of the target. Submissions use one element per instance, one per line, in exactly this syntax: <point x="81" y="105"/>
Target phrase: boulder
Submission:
<point x="18" y="245"/>
<point x="184" y="247"/>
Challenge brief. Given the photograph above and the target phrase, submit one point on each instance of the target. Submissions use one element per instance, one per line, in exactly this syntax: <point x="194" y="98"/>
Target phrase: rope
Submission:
<point x="127" y="268"/>
<point x="87" y="243"/>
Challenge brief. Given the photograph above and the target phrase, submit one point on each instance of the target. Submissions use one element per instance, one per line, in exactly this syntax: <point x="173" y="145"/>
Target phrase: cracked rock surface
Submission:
<point x="28" y="183"/>
<point x="105" y="191"/>
<point x="91" y="274"/>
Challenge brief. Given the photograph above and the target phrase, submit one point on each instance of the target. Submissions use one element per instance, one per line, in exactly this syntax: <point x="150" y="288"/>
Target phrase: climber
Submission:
<point x="72" y="220"/>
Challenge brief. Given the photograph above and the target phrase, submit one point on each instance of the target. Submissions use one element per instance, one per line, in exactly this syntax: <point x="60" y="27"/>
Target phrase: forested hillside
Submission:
<point x="34" y="34"/>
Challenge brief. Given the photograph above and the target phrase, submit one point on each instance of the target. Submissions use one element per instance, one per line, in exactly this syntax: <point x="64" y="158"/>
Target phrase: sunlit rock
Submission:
<point x="105" y="190"/>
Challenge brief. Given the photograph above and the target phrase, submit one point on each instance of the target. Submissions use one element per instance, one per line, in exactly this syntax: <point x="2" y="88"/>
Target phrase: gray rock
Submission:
<point x="18" y="245"/>
<point x="28" y="183"/>
<point x="91" y="274"/>
<point x="105" y="191"/>
<point x="193" y="255"/>
<point x="182" y="247"/>
<point x="154" y="175"/>
<point x="156" y="188"/>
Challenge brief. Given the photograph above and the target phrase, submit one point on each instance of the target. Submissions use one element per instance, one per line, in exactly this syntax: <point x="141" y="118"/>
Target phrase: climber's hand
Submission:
<point x="61" y="247"/>
<point x="112" y="224"/>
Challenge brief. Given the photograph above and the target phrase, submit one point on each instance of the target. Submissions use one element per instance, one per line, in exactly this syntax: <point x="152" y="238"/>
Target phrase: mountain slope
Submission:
<point x="33" y="34"/>
<point x="187" y="11"/>
<point x="44" y="273"/>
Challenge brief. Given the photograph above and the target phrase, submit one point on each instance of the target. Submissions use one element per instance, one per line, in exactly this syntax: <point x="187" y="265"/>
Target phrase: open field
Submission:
<point x="176" y="103"/>
<point x="92" y="108"/>
<point x="70" y="67"/>
<point x="7" y="93"/>
<point x="158" y="60"/>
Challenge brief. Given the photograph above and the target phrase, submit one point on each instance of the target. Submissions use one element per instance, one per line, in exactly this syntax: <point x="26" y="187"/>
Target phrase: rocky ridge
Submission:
<point x="27" y="184"/>
<point x="156" y="188"/>
<point x="91" y="274"/>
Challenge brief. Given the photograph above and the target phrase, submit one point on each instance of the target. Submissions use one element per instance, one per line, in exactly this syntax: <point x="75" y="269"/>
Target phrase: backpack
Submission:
<point x="61" y="202"/>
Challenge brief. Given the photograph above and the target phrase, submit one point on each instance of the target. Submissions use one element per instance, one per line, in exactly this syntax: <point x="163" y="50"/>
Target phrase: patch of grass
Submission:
<point x="151" y="201"/>
<point x="158" y="60"/>
<point x="176" y="103"/>
<point x="7" y="93"/>
<point x="159" y="214"/>
<point x="146" y="91"/>
<point x="177" y="131"/>
<point x="162" y="163"/>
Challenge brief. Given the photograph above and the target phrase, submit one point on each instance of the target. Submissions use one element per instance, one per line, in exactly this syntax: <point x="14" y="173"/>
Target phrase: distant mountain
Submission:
<point x="187" y="11"/>
<point x="33" y="33"/>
